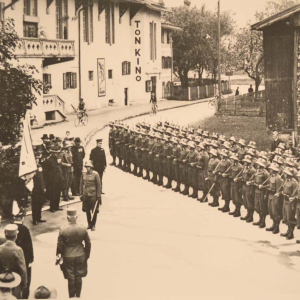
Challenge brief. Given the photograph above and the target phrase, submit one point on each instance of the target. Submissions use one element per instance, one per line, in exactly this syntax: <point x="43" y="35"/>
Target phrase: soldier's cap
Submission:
<point x="222" y="138"/>
<point x="261" y="163"/>
<point x="199" y="131"/>
<point x="214" y="136"/>
<point x="224" y="152"/>
<point x="289" y="171"/>
<point x="9" y="279"/>
<point x="166" y="138"/>
<point x="214" y="144"/>
<point x="205" y="133"/>
<point x="281" y="146"/>
<point x="89" y="164"/>
<point x="252" y="145"/>
<point x="278" y="151"/>
<point x="45" y="137"/>
<point x="99" y="140"/>
<point x="227" y="145"/>
<point x="201" y="146"/>
<point x="279" y="160"/>
<point x="77" y="140"/>
<point x="251" y="152"/>
<point x="247" y="159"/>
<point x="11" y="230"/>
<point x="232" y="139"/>
<point x="51" y="136"/>
<point x="72" y="212"/>
<point x="182" y="142"/>
<point x="234" y="157"/>
<point x="192" y="144"/>
<point x="242" y="142"/>
<point x="289" y="162"/>
<point x="213" y="152"/>
<point x="43" y="292"/>
<point x="288" y="153"/>
<point x="274" y="167"/>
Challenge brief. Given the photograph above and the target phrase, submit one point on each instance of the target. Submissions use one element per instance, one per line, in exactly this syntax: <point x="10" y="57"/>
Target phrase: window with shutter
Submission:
<point x="74" y="80"/>
<point x="64" y="80"/>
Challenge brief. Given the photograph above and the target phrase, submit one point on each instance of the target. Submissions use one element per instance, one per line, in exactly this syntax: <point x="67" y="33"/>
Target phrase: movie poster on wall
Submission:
<point x="101" y="77"/>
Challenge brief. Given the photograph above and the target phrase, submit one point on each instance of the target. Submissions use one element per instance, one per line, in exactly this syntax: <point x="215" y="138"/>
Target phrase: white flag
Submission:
<point x="27" y="166"/>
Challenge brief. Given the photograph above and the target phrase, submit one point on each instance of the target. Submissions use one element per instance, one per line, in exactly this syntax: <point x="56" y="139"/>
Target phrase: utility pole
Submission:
<point x="219" y="57"/>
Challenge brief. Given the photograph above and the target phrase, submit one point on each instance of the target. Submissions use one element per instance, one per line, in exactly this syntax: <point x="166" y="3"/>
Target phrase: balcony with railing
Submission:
<point x="36" y="47"/>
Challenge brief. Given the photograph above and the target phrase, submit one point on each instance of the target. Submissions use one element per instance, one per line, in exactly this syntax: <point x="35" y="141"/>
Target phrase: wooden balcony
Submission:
<point x="44" y="48"/>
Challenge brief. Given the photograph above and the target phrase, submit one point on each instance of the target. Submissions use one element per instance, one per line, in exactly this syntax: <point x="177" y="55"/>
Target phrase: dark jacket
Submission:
<point x="78" y="157"/>
<point x="275" y="144"/>
<point x="53" y="168"/>
<point x="98" y="158"/>
<point x="38" y="183"/>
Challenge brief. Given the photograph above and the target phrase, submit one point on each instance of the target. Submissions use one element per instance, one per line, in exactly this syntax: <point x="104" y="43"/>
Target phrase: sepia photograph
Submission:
<point x="149" y="149"/>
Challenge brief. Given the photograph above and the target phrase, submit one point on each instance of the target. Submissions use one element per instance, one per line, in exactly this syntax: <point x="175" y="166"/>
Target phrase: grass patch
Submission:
<point x="248" y="128"/>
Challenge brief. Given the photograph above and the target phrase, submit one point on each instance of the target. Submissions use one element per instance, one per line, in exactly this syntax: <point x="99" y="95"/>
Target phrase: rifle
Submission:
<point x="225" y="173"/>
<point x="283" y="182"/>
<point x="251" y="178"/>
<point x="237" y="176"/>
<point x="209" y="191"/>
<point x="265" y="182"/>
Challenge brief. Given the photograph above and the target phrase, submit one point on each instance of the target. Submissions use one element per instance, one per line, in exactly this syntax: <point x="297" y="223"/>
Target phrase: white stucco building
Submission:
<point x="106" y="52"/>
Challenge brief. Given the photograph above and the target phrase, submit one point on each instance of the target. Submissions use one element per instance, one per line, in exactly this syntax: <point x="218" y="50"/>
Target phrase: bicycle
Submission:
<point x="153" y="109"/>
<point x="82" y="118"/>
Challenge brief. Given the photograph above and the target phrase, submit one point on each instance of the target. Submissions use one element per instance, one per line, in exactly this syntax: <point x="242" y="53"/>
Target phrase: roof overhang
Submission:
<point x="147" y="4"/>
<point x="276" y="18"/>
<point x="170" y="27"/>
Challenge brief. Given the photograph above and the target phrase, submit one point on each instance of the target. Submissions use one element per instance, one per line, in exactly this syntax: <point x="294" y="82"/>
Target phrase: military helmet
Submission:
<point x="281" y="146"/>
<point x="202" y="145"/>
<point x="247" y="159"/>
<point x="182" y="142"/>
<point x="261" y="163"/>
<point x="251" y="152"/>
<point x="215" y="136"/>
<point x="278" y="151"/>
<point x="279" y="160"/>
<point x="232" y="139"/>
<point x="289" y="171"/>
<point x="227" y="145"/>
<point x="288" y="153"/>
<point x="263" y="155"/>
<point x="213" y="152"/>
<point x="290" y="162"/>
<point x="214" y="144"/>
<point x="274" y="167"/>
<point x="223" y="152"/>
<point x="198" y="139"/>
<point x="205" y="133"/>
<point x="234" y="156"/>
<point x="222" y="138"/>
<point x="242" y="142"/>
<point x="192" y="144"/>
<point x="199" y="131"/>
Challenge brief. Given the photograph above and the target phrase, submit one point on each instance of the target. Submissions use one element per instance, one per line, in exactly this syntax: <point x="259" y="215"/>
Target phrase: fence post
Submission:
<point x="189" y="93"/>
<point x="206" y="91"/>
<point x="198" y="90"/>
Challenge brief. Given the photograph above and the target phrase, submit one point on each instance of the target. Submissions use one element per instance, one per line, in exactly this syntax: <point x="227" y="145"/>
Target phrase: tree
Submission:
<point x="248" y="48"/>
<point x="17" y="82"/>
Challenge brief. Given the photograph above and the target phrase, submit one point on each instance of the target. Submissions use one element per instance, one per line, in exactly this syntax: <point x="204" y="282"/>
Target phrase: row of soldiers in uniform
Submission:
<point x="262" y="182"/>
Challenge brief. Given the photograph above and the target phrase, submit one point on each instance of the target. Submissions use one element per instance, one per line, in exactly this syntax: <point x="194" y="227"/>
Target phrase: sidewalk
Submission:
<point x="98" y="119"/>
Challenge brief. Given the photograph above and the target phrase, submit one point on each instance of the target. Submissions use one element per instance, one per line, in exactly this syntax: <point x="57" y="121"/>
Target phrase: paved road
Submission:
<point x="152" y="243"/>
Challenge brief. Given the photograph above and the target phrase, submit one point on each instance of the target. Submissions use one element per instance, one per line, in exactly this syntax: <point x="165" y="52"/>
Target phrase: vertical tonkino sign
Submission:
<point x="137" y="42"/>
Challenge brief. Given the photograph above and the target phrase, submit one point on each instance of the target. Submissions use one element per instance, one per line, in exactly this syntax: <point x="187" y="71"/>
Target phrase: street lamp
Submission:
<point x="219" y="56"/>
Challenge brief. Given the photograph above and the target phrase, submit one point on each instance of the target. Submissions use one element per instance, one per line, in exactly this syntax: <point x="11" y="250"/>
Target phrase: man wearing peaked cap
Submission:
<point x="74" y="248"/>
<point x="98" y="158"/>
<point x="12" y="258"/>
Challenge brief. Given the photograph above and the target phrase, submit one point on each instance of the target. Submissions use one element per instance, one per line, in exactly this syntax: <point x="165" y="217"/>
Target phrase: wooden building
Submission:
<point x="281" y="43"/>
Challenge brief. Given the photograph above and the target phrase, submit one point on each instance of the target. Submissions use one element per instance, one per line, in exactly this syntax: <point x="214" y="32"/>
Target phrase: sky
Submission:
<point x="243" y="10"/>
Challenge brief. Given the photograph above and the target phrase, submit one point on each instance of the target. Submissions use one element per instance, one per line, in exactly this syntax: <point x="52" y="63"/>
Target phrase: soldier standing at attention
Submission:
<point x="78" y="157"/>
<point x="74" y="254"/>
<point x="67" y="169"/>
<point x="111" y="142"/>
<point x="98" y="159"/>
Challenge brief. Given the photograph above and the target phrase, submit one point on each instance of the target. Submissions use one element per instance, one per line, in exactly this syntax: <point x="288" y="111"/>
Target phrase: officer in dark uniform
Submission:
<point x="138" y="152"/>
<point x="175" y="163"/>
<point x="182" y="166"/>
<point x="166" y="156"/>
<point x="55" y="178"/>
<point x="38" y="196"/>
<point x="192" y="170"/>
<point x="132" y="138"/>
<point x="98" y="158"/>
<point x="126" y="137"/>
<point x="111" y="142"/>
<point x="74" y="248"/>
<point x="156" y="150"/>
<point x="24" y="241"/>
<point x="144" y="149"/>
<point x="78" y="154"/>
<point x="202" y="165"/>
<point x="149" y="161"/>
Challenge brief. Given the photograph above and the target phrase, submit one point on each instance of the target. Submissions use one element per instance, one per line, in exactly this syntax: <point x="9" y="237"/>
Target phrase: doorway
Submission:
<point x="153" y="79"/>
<point x="126" y="96"/>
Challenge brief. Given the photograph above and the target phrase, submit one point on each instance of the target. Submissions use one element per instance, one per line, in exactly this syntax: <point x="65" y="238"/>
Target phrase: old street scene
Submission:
<point x="149" y="149"/>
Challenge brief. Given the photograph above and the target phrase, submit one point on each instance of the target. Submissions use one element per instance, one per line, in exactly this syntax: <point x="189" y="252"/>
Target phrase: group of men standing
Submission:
<point x="262" y="182"/>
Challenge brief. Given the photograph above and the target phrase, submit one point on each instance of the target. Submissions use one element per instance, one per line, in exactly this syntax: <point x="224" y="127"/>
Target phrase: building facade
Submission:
<point x="106" y="52"/>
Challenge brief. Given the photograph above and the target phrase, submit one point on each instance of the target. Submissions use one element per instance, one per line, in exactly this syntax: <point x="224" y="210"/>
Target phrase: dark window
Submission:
<point x="153" y="41"/>
<point x="84" y="25"/>
<point x="162" y="36"/>
<point x="91" y="23"/>
<point x="91" y="75"/>
<point x="126" y="68"/>
<point x="110" y="74"/>
<point x="113" y="22"/>
<point x="168" y="37"/>
<point x="166" y="62"/>
<point x="61" y="19"/>
<point x="69" y="80"/>
<point x="47" y="79"/>
<point x="107" y="24"/>
<point x="30" y="29"/>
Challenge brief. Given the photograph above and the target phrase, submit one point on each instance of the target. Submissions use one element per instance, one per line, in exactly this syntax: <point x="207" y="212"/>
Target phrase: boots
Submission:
<point x="147" y="177"/>
<point x="258" y="222"/>
<point x="233" y="212"/>
<point x="272" y="227"/>
<point x="250" y="217"/>
<point x="120" y="163"/>
<point x="291" y="233"/>
<point x="238" y="212"/>
<point x="215" y="202"/>
<point x="246" y="217"/>
<point x="195" y="193"/>
<point x="177" y="189"/>
<point x="128" y="169"/>
<point x="140" y="173"/>
<point x="169" y="184"/>
<point x="186" y="190"/>
<point x="226" y="207"/>
<point x="276" y="228"/>
<point x="263" y="222"/>
<point x="287" y="233"/>
<point x="160" y="182"/>
<point x="134" y="170"/>
<point x="154" y="178"/>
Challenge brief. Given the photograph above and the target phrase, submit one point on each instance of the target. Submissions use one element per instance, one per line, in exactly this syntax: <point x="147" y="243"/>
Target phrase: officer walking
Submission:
<point x="74" y="248"/>
<point x="98" y="159"/>
<point x="90" y="189"/>
<point x="12" y="258"/>
<point x="24" y="241"/>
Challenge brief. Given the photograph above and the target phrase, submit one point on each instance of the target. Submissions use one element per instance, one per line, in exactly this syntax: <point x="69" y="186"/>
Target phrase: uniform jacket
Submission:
<point x="98" y="158"/>
<point x="67" y="158"/>
<point x="12" y="258"/>
<point x="70" y="241"/>
<point x="53" y="169"/>
<point x="78" y="157"/>
<point x="38" y="183"/>
<point x="25" y="242"/>
<point x="90" y="184"/>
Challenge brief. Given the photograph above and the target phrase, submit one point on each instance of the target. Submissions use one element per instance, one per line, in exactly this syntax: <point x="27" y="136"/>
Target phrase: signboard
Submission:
<point x="101" y="77"/>
<point x="229" y="73"/>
